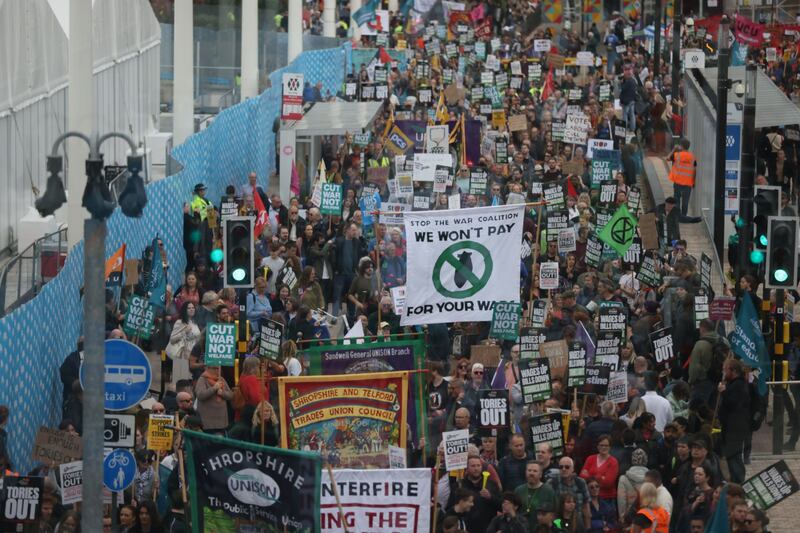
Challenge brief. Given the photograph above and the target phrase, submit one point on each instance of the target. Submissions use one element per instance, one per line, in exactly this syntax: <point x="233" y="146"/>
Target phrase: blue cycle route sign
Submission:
<point x="127" y="375"/>
<point x="119" y="469"/>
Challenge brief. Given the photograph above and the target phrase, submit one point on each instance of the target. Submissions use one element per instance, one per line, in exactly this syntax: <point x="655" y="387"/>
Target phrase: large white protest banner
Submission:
<point x="377" y="500"/>
<point x="460" y="262"/>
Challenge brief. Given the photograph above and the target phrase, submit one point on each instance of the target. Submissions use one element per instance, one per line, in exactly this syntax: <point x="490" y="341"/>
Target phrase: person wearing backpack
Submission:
<point x="705" y="365"/>
<point x="734" y="401"/>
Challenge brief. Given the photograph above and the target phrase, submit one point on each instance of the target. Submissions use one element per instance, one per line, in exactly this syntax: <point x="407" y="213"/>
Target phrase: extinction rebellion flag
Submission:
<point x="238" y="486"/>
<point x="460" y="262"/>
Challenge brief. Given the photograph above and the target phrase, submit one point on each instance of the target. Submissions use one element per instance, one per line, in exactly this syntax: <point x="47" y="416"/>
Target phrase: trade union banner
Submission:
<point x="377" y="500"/>
<point x="396" y="355"/>
<point x="349" y="420"/>
<point x="239" y="486"/>
<point x="461" y="262"/>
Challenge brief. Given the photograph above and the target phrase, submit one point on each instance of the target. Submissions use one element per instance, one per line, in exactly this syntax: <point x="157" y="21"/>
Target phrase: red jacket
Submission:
<point x="605" y="474"/>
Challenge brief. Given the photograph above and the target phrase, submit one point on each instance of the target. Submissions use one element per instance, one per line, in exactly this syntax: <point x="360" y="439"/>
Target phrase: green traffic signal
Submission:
<point x="217" y="255"/>
<point x="763" y="240"/>
<point x="780" y="275"/>
<point x="756" y="257"/>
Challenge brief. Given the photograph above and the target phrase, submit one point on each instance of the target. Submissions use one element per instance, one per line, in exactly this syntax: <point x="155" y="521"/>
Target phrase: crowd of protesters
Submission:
<point x="654" y="462"/>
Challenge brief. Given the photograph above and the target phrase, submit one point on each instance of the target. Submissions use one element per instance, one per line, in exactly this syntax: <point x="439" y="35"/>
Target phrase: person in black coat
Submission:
<point x="301" y="327"/>
<point x="734" y="417"/>
<point x="486" y="495"/>
<point x="668" y="221"/>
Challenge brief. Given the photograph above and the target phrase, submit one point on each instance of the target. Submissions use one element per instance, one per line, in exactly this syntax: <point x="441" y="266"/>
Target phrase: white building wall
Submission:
<point x="33" y="91"/>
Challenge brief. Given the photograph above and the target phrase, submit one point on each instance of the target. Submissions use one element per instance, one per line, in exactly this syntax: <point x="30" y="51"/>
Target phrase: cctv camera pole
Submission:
<point x="723" y="83"/>
<point x="748" y="174"/>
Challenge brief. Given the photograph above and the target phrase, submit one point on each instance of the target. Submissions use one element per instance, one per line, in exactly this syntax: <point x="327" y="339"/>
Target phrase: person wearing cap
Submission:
<point x="476" y="382"/>
<point x="700" y="453"/>
<point x="388" y="316"/>
<point x="629" y="482"/>
<point x="200" y="204"/>
<point x="668" y="222"/>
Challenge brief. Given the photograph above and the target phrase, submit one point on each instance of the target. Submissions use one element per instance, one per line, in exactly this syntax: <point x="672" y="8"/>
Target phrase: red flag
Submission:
<point x="295" y="183"/>
<point x="571" y="189"/>
<point x="547" y="90"/>
<point x="384" y="56"/>
<point x="262" y="219"/>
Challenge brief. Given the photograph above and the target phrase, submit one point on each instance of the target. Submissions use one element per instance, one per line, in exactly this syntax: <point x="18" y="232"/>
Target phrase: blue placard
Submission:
<point x="732" y="177"/>
<point x="733" y="142"/>
<point x="127" y="375"/>
<point x="119" y="469"/>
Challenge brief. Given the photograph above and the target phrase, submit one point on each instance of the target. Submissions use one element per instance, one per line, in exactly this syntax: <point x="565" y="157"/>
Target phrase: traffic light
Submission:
<point x="782" y="253"/>
<point x="238" y="267"/>
<point x="766" y="200"/>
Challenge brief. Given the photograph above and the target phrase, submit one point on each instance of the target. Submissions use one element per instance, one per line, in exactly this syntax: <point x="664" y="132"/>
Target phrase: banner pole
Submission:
<point x="181" y="472"/>
<point x="535" y="251"/>
<point x="424" y="408"/>
<point x="338" y="500"/>
<point x="435" y="491"/>
<point x="260" y="407"/>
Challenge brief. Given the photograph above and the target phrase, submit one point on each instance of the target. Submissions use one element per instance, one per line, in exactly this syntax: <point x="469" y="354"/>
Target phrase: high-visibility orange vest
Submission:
<point x="658" y="516"/>
<point x="683" y="169"/>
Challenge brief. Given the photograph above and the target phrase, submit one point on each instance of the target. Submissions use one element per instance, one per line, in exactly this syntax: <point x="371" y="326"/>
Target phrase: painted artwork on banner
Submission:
<point x="459" y="262"/>
<point x="387" y="356"/>
<point x="404" y="503"/>
<point x="239" y="486"/>
<point x="351" y="421"/>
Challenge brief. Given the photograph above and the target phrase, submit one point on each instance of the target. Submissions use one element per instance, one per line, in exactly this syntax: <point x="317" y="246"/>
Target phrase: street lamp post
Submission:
<point x="97" y="200"/>
<point x="723" y="84"/>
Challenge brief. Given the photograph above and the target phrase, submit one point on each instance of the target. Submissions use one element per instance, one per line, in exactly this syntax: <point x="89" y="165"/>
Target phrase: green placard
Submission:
<point x="620" y="230"/>
<point x="505" y="321"/>
<point x="220" y="344"/>
<point x="139" y="318"/>
<point x="331" y="203"/>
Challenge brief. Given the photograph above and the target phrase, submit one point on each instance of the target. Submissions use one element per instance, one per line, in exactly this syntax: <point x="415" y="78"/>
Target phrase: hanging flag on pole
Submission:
<point x="366" y="13"/>
<point x="158" y="278"/>
<point x="295" y="183"/>
<point x="262" y="217"/>
<point x="620" y="230"/>
<point x="748" y="344"/>
<point x="114" y="267"/>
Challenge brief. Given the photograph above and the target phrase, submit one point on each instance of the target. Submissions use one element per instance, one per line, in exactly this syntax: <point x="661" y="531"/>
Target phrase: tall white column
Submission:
<point x="183" y="84"/>
<point x="81" y="112"/>
<point x="295" y="29"/>
<point x="355" y="5"/>
<point x="329" y="19"/>
<point x="249" y="49"/>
